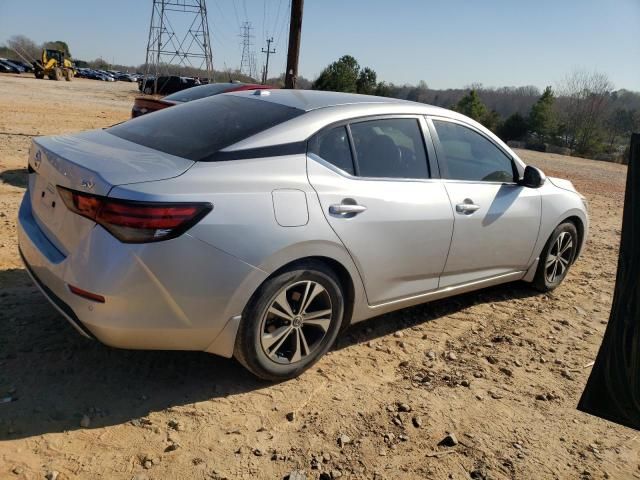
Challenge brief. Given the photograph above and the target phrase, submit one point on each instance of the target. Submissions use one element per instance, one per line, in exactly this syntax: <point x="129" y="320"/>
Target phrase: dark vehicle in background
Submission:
<point x="125" y="77"/>
<point x="27" y="66"/>
<point x="91" y="74"/>
<point x="5" y="68"/>
<point x="165" y="85"/>
<point x="13" y="67"/>
<point x="144" y="105"/>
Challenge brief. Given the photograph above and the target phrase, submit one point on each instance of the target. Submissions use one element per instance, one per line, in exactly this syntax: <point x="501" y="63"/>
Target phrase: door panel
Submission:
<point x="496" y="238"/>
<point x="400" y="240"/>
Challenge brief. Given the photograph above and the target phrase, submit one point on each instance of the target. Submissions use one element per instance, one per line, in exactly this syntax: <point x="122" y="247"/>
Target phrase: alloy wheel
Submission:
<point x="296" y="322"/>
<point x="559" y="257"/>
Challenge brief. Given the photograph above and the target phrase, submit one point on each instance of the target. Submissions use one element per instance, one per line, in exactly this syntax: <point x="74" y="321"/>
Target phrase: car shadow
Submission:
<point x="54" y="376"/>
<point x="16" y="177"/>
<point x="391" y="322"/>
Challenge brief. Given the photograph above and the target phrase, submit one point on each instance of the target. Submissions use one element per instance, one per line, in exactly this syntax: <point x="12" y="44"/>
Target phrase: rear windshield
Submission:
<point x="197" y="130"/>
<point x="194" y="93"/>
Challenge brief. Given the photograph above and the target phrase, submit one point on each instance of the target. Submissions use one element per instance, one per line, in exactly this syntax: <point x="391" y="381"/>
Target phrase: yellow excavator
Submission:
<point x="54" y="65"/>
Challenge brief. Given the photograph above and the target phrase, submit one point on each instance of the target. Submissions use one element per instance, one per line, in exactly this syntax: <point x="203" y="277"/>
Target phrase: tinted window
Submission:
<point x="202" y="91"/>
<point x="390" y="148"/>
<point x="197" y="130"/>
<point x="470" y="156"/>
<point x="333" y="146"/>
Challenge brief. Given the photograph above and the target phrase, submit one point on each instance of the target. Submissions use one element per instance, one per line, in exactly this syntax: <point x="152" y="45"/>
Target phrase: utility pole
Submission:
<point x="293" y="55"/>
<point x="268" y="51"/>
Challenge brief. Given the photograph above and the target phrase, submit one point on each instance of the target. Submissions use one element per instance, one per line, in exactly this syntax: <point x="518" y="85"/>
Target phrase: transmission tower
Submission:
<point x="248" y="59"/>
<point x="175" y="51"/>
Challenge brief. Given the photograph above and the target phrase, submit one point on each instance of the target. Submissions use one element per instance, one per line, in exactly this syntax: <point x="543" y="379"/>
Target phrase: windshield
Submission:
<point x="197" y="130"/>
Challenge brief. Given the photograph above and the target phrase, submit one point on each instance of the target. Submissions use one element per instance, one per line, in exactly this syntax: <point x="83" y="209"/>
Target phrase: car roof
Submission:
<point x="323" y="109"/>
<point x="308" y="100"/>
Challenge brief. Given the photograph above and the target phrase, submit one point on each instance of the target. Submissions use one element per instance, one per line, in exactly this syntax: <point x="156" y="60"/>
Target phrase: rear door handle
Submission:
<point x="467" y="207"/>
<point x="346" y="208"/>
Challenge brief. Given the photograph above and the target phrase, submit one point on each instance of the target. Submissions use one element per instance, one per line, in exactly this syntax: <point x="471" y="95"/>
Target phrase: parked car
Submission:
<point x="11" y="66"/>
<point x="125" y="77"/>
<point x="92" y="74"/>
<point x="5" y="68"/>
<point x="258" y="224"/>
<point x="143" y="105"/>
<point x="27" y="66"/>
<point x="165" y="85"/>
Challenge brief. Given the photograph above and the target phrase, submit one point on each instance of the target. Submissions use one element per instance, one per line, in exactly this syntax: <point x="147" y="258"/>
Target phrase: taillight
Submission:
<point x="135" y="222"/>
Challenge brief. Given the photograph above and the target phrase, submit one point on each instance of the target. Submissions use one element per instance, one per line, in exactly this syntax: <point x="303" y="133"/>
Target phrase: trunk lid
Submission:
<point x="92" y="162"/>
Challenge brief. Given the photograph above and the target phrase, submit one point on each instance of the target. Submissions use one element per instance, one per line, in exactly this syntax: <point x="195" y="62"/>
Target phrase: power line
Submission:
<point x="235" y="10"/>
<point x="284" y="24"/>
<point x="264" y="17"/>
<point x="275" y="24"/>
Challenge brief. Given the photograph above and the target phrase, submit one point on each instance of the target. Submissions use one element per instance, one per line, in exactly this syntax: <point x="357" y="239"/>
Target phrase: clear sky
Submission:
<point x="447" y="43"/>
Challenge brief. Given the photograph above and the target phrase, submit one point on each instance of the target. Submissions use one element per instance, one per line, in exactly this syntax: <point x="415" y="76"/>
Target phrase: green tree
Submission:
<point x="419" y="93"/>
<point x="514" y="128"/>
<point x="584" y="103"/>
<point x="620" y="123"/>
<point x="58" y="45"/>
<point x="340" y="76"/>
<point x="366" y="82"/>
<point x="471" y="105"/>
<point x="492" y="121"/>
<point x="383" y="89"/>
<point x="542" y="118"/>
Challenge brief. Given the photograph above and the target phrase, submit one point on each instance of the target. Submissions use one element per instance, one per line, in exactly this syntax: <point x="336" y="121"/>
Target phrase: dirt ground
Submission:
<point x="502" y="368"/>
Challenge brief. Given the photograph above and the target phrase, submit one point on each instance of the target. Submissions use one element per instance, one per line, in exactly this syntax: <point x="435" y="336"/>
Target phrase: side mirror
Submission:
<point x="533" y="177"/>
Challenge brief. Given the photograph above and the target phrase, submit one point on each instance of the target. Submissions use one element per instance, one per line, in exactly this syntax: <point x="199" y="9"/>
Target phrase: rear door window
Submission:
<point x="333" y="146"/>
<point x="390" y="148"/>
<point x="197" y="130"/>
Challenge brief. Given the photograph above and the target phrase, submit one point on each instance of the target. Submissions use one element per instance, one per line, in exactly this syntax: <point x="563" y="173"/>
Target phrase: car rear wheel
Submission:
<point x="148" y="90"/>
<point x="556" y="257"/>
<point x="291" y="321"/>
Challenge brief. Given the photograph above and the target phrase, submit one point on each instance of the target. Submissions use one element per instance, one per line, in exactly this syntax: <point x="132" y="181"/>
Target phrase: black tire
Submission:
<point x="544" y="281"/>
<point x="249" y="350"/>
<point x="148" y="90"/>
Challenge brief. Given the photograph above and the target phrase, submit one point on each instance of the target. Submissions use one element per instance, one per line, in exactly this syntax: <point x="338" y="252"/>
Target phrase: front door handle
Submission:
<point x="467" y="207"/>
<point x="346" y="209"/>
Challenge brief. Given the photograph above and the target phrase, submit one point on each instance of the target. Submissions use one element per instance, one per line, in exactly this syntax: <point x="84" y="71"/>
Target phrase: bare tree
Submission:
<point x="583" y="108"/>
<point x="24" y="47"/>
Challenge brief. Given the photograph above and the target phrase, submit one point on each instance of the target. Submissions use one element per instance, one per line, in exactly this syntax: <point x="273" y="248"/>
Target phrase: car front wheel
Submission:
<point x="556" y="257"/>
<point x="291" y="321"/>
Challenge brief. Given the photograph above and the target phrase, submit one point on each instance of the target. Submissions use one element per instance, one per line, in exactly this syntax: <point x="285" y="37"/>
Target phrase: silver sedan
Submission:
<point x="260" y="224"/>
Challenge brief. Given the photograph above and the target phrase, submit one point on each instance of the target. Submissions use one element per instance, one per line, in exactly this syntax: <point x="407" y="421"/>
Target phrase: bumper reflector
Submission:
<point x="88" y="295"/>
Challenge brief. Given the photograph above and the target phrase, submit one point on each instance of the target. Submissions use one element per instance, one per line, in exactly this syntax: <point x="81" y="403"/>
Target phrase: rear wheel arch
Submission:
<point x="264" y="319"/>
<point x="346" y="280"/>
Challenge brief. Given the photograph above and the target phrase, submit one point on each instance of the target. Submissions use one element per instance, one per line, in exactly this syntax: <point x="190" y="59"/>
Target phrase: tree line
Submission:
<point x="583" y="116"/>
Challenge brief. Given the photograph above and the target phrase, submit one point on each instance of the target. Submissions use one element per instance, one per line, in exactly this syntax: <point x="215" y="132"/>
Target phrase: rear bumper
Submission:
<point x="181" y="294"/>
<point x="65" y="310"/>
